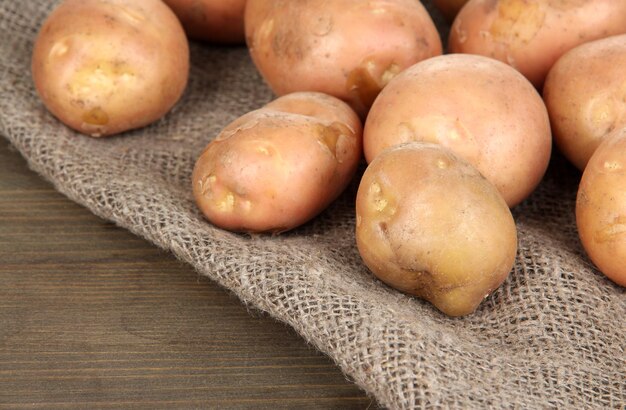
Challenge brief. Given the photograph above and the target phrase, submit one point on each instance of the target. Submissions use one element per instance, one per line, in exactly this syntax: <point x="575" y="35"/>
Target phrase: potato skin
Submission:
<point x="601" y="207"/>
<point x="430" y="225"/>
<point x="585" y="93"/>
<point x="104" y="67"/>
<point x="218" y="21"/>
<point x="531" y="35"/>
<point x="275" y="168"/>
<point x="346" y="48"/>
<point x="481" y="109"/>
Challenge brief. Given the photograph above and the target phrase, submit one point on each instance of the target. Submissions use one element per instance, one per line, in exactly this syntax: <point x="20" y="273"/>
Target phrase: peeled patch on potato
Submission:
<point x="531" y="35"/>
<point x="481" y="109"/>
<point x="430" y="225"/>
<point x="104" y="67"/>
<point x="219" y="21"/>
<point x="275" y="168"/>
<point x="601" y="207"/>
<point x="346" y="48"/>
<point x="585" y="93"/>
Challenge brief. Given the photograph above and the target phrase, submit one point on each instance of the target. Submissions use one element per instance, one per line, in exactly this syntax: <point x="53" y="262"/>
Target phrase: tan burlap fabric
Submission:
<point x="552" y="336"/>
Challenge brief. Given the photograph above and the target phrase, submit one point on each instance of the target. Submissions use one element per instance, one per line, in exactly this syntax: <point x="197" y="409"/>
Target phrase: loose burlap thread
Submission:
<point x="553" y="335"/>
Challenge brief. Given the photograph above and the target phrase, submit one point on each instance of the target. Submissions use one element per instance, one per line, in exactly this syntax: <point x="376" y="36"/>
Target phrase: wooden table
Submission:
<point x="92" y="316"/>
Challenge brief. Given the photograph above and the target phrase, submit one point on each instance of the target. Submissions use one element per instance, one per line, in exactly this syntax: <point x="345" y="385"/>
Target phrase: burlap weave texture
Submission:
<point x="552" y="336"/>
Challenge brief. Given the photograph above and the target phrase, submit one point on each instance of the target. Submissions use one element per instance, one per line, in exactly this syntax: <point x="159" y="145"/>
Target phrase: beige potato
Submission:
<point x="219" y="21"/>
<point x="480" y="108"/>
<point x="585" y="93"/>
<point x="601" y="207"/>
<point x="531" y="35"/>
<point x="275" y="168"/>
<point x="104" y="67"/>
<point x="449" y="8"/>
<point x="346" y="48"/>
<point x="430" y="225"/>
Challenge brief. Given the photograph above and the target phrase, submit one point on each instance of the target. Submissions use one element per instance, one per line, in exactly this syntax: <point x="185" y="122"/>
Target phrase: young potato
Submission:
<point x="430" y="225"/>
<point x="601" y="207"/>
<point x="275" y="168"/>
<point x="217" y="21"/>
<point x="449" y="8"/>
<point x="346" y="48"/>
<point x="585" y="93"/>
<point x="483" y="110"/>
<point x="531" y="35"/>
<point x="104" y="67"/>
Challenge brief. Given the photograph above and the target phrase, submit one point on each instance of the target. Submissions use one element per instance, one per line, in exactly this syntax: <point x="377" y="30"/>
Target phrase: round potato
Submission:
<point x="585" y="93"/>
<point x="449" y="8"/>
<point x="346" y="48"/>
<point x="217" y="21"/>
<point x="430" y="225"/>
<point x="601" y="207"/>
<point x="531" y="35"/>
<point x="277" y="167"/>
<point x="481" y="109"/>
<point x="104" y="67"/>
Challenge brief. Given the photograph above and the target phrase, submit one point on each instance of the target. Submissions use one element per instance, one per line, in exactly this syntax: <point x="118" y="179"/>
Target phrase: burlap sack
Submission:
<point x="552" y="336"/>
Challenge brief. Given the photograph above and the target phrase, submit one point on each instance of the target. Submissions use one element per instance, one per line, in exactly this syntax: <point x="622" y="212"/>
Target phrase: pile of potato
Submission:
<point x="452" y="141"/>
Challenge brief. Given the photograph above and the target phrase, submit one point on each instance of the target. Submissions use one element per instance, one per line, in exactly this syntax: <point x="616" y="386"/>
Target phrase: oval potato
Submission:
<point x="219" y="21"/>
<point x="104" y="67"/>
<point x="430" y="225"/>
<point x="531" y="35"/>
<point x="275" y="168"/>
<point x="346" y="48"/>
<point x="585" y="93"/>
<point x="601" y="207"/>
<point x="481" y="109"/>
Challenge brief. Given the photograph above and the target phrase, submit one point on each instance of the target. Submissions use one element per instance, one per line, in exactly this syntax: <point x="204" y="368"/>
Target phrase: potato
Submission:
<point x="531" y="35"/>
<point x="104" y="67"/>
<point x="430" y="225"/>
<point x="277" y="167"/>
<point x="601" y="207"/>
<point x="449" y="8"/>
<point x="481" y="109"/>
<point x="346" y="48"/>
<point x="585" y="93"/>
<point x="217" y="21"/>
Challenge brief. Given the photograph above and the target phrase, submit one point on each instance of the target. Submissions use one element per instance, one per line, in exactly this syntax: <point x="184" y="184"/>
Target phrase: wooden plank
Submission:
<point x="94" y="317"/>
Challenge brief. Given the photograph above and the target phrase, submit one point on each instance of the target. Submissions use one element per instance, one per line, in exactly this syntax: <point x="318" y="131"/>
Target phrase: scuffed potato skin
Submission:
<point x="275" y="168"/>
<point x="585" y="93"/>
<point x="601" y="207"/>
<point x="531" y="35"/>
<point x="346" y="48"/>
<point x="430" y="225"/>
<point x="218" y="21"/>
<point x="104" y="67"/>
<point x="481" y="109"/>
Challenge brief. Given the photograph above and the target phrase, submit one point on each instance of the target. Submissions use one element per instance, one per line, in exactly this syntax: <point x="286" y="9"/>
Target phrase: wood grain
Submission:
<point x="94" y="317"/>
